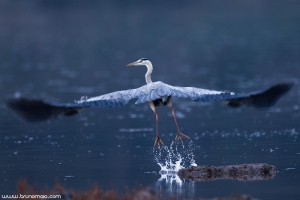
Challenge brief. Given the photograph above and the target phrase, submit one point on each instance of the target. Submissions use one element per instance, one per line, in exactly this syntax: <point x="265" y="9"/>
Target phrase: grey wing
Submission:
<point x="204" y="95"/>
<point x="33" y="110"/>
<point x="114" y="99"/>
<point x="262" y="98"/>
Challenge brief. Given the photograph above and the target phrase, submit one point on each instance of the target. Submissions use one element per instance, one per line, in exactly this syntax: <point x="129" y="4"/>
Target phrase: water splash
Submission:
<point x="171" y="160"/>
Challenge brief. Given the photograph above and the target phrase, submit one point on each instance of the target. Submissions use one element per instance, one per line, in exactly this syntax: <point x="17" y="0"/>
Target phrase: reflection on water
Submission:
<point x="171" y="185"/>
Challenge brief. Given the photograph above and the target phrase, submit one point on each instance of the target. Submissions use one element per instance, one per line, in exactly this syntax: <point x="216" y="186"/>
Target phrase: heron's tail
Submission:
<point x="261" y="99"/>
<point x="36" y="110"/>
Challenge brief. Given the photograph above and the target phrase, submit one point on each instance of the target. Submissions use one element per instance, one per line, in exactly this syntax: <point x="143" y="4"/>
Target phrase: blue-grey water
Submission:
<point x="59" y="51"/>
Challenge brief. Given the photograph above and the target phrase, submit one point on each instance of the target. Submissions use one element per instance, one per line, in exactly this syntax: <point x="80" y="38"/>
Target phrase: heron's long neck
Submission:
<point x="149" y="72"/>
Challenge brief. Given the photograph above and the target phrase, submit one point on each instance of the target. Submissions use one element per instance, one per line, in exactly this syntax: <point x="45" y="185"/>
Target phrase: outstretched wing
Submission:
<point x="260" y="99"/>
<point x="37" y="110"/>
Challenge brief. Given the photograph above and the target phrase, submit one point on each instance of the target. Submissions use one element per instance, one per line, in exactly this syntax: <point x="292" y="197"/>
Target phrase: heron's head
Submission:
<point x="140" y="62"/>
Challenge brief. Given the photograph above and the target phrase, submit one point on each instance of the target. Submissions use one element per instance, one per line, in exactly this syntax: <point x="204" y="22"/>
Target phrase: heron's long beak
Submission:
<point x="131" y="64"/>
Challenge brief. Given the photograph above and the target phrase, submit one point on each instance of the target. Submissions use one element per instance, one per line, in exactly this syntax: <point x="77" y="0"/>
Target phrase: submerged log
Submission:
<point x="243" y="172"/>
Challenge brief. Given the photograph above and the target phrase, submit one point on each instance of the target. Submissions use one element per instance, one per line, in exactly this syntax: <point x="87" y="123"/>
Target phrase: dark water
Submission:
<point x="61" y="51"/>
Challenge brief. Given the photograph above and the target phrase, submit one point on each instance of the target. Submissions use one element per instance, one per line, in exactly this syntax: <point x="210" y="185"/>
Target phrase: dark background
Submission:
<point x="61" y="50"/>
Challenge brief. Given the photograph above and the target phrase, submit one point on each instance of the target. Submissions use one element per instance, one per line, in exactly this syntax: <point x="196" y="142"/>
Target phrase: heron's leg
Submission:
<point x="179" y="134"/>
<point x="157" y="140"/>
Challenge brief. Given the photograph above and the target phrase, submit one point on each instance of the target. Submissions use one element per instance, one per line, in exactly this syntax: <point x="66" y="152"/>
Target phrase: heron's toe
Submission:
<point x="158" y="142"/>
<point x="179" y="136"/>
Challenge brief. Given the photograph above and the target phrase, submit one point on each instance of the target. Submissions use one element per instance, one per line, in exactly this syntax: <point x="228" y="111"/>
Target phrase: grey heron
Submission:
<point x="156" y="93"/>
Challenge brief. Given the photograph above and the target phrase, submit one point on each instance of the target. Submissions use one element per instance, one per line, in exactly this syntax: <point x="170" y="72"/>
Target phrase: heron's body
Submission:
<point x="163" y="101"/>
<point x="156" y="93"/>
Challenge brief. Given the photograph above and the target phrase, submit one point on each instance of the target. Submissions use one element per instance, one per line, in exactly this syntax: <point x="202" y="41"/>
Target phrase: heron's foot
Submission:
<point x="158" y="142"/>
<point x="179" y="136"/>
